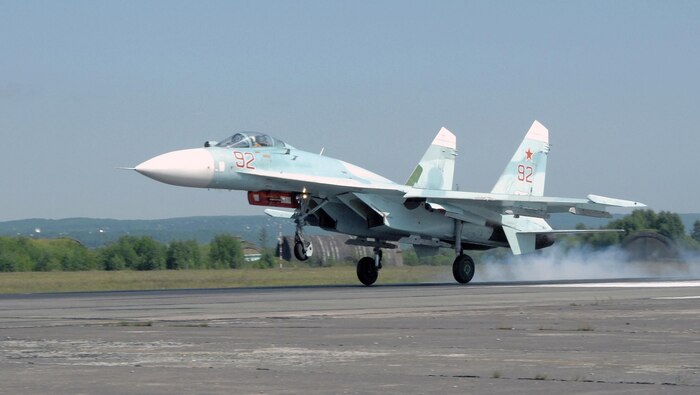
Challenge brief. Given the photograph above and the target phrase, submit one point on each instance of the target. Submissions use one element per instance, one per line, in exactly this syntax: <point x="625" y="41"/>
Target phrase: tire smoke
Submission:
<point x="558" y="263"/>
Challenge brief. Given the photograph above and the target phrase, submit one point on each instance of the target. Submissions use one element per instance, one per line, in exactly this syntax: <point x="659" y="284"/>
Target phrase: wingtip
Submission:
<point x="615" y="202"/>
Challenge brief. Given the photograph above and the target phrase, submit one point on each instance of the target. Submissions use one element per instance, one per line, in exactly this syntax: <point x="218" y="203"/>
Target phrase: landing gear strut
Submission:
<point x="368" y="267"/>
<point x="463" y="266"/>
<point x="303" y="249"/>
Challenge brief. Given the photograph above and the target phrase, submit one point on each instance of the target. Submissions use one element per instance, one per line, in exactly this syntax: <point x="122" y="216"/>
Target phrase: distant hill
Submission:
<point x="93" y="232"/>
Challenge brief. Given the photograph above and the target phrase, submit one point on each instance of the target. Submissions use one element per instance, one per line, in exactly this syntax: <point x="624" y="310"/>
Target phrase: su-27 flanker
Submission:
<point x="425" y="212"/>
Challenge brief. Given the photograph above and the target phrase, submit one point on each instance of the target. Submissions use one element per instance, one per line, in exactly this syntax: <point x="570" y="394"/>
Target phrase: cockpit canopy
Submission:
<point x="251" y="140"/>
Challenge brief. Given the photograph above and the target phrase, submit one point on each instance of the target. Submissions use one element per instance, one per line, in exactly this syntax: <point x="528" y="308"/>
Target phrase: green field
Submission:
<point x="35" y="282"/>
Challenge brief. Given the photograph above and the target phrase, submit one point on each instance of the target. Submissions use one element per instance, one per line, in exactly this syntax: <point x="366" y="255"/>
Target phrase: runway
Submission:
<point x="619" y="336"/>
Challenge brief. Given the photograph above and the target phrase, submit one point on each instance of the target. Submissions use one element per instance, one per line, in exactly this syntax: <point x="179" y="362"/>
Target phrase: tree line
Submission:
<point x="226" y="251"/>
<point x="665" y="223"/>
<point x="127" y="253"/>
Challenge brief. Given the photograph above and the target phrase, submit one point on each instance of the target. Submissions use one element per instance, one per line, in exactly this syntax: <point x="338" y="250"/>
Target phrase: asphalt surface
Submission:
<point x="626" y="337"/>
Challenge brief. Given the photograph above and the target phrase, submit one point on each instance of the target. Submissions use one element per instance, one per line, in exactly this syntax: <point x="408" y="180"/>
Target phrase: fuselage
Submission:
<point x="375" y="208"/>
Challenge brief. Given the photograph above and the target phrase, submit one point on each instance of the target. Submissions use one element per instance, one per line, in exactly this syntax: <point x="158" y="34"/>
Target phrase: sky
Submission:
<point x="89" y="86"/>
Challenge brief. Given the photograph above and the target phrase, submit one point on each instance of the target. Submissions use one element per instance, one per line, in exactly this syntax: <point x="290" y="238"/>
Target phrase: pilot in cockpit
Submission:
<point x="262" y="140"/>
<point x="236" y="139"/>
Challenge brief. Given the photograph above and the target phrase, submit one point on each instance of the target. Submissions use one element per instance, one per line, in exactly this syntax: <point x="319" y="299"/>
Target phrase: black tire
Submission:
<point x="367" y="272"/>
<point x="299" y="252"/>
<point x="463" y="269"/>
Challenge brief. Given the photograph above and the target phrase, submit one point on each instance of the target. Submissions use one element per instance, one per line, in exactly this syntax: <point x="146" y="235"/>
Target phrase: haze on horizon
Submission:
<point x="86" y="87"/>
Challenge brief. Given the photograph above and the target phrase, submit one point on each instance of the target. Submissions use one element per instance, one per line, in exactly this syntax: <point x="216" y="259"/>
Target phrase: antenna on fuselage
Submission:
<point x="322" y="149"/>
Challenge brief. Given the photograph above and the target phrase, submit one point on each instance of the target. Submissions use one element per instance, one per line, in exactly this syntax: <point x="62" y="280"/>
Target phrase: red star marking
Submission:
<point x="528" y="154"/>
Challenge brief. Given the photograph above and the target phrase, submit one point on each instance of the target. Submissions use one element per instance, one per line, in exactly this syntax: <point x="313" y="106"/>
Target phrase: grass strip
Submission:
<point x="37" y="282"/>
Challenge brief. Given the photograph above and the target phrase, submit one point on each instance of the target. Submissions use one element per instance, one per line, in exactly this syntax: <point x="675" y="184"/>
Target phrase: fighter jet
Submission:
<point x="425" y="212"/>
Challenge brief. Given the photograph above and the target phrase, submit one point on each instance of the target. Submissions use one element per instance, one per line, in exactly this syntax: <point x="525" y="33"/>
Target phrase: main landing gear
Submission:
<point x="463" y="268"/>
<point x="368" y="267"/>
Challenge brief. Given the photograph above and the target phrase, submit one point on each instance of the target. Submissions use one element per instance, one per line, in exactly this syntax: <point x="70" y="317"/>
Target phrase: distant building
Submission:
<point x="251" y="253"/>
<point x="328" y="249"/>
<point x="650" y="247"/>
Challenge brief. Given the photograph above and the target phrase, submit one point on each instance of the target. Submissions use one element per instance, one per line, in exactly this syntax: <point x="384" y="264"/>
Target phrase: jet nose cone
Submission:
<point x="187" y="168"/>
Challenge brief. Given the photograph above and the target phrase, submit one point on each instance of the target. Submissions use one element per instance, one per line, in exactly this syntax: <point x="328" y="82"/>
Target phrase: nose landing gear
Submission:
<point x="303" y="249"/>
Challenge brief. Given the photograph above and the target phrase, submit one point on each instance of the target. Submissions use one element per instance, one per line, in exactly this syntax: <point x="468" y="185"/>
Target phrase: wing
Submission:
<point x="520" y="217"/>
<point x="490" y="206"/>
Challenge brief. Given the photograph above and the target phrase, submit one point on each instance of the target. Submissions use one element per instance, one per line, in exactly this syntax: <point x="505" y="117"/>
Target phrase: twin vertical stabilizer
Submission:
<point x="525" y="173"/>
<point x="437" y="167"/>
